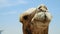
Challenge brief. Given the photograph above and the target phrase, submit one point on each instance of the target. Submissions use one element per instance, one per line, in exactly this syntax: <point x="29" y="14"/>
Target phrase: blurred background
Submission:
<point x="10" y="11"/>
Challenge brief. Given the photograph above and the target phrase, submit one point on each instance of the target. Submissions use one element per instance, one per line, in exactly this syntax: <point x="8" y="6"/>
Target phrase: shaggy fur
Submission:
<point x="36" y="20"/>
<point x="25" y="19"/>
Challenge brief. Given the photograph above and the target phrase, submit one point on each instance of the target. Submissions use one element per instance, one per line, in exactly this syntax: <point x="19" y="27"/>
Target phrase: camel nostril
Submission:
<point x="40" y="9"/>
<point x="45" y="18"/>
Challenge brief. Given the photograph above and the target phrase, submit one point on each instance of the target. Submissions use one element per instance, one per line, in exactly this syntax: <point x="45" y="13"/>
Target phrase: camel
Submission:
<point x="36" y="20"/>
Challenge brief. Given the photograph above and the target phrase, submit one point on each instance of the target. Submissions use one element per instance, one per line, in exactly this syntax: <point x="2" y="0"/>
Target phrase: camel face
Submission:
<point x="36" y="20"/>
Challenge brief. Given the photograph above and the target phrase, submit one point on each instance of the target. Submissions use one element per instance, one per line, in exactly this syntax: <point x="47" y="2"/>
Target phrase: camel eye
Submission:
<point x="25" y="17"/>
<point x="40" y="9"/>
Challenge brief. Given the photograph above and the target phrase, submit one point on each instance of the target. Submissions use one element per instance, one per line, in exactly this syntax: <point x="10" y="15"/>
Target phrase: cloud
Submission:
<point x="7" y="3"/>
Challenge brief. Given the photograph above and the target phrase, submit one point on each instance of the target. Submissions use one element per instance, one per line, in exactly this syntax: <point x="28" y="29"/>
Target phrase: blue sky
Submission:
<point x="11" y="9"/>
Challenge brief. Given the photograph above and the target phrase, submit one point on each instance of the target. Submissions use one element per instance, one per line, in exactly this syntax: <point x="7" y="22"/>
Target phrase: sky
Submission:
<point x="10" y="11"/>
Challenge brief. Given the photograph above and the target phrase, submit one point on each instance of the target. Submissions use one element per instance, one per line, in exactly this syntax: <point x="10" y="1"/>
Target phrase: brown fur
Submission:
<point x="27" y="22"/>
<point x="32" y="25"/>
